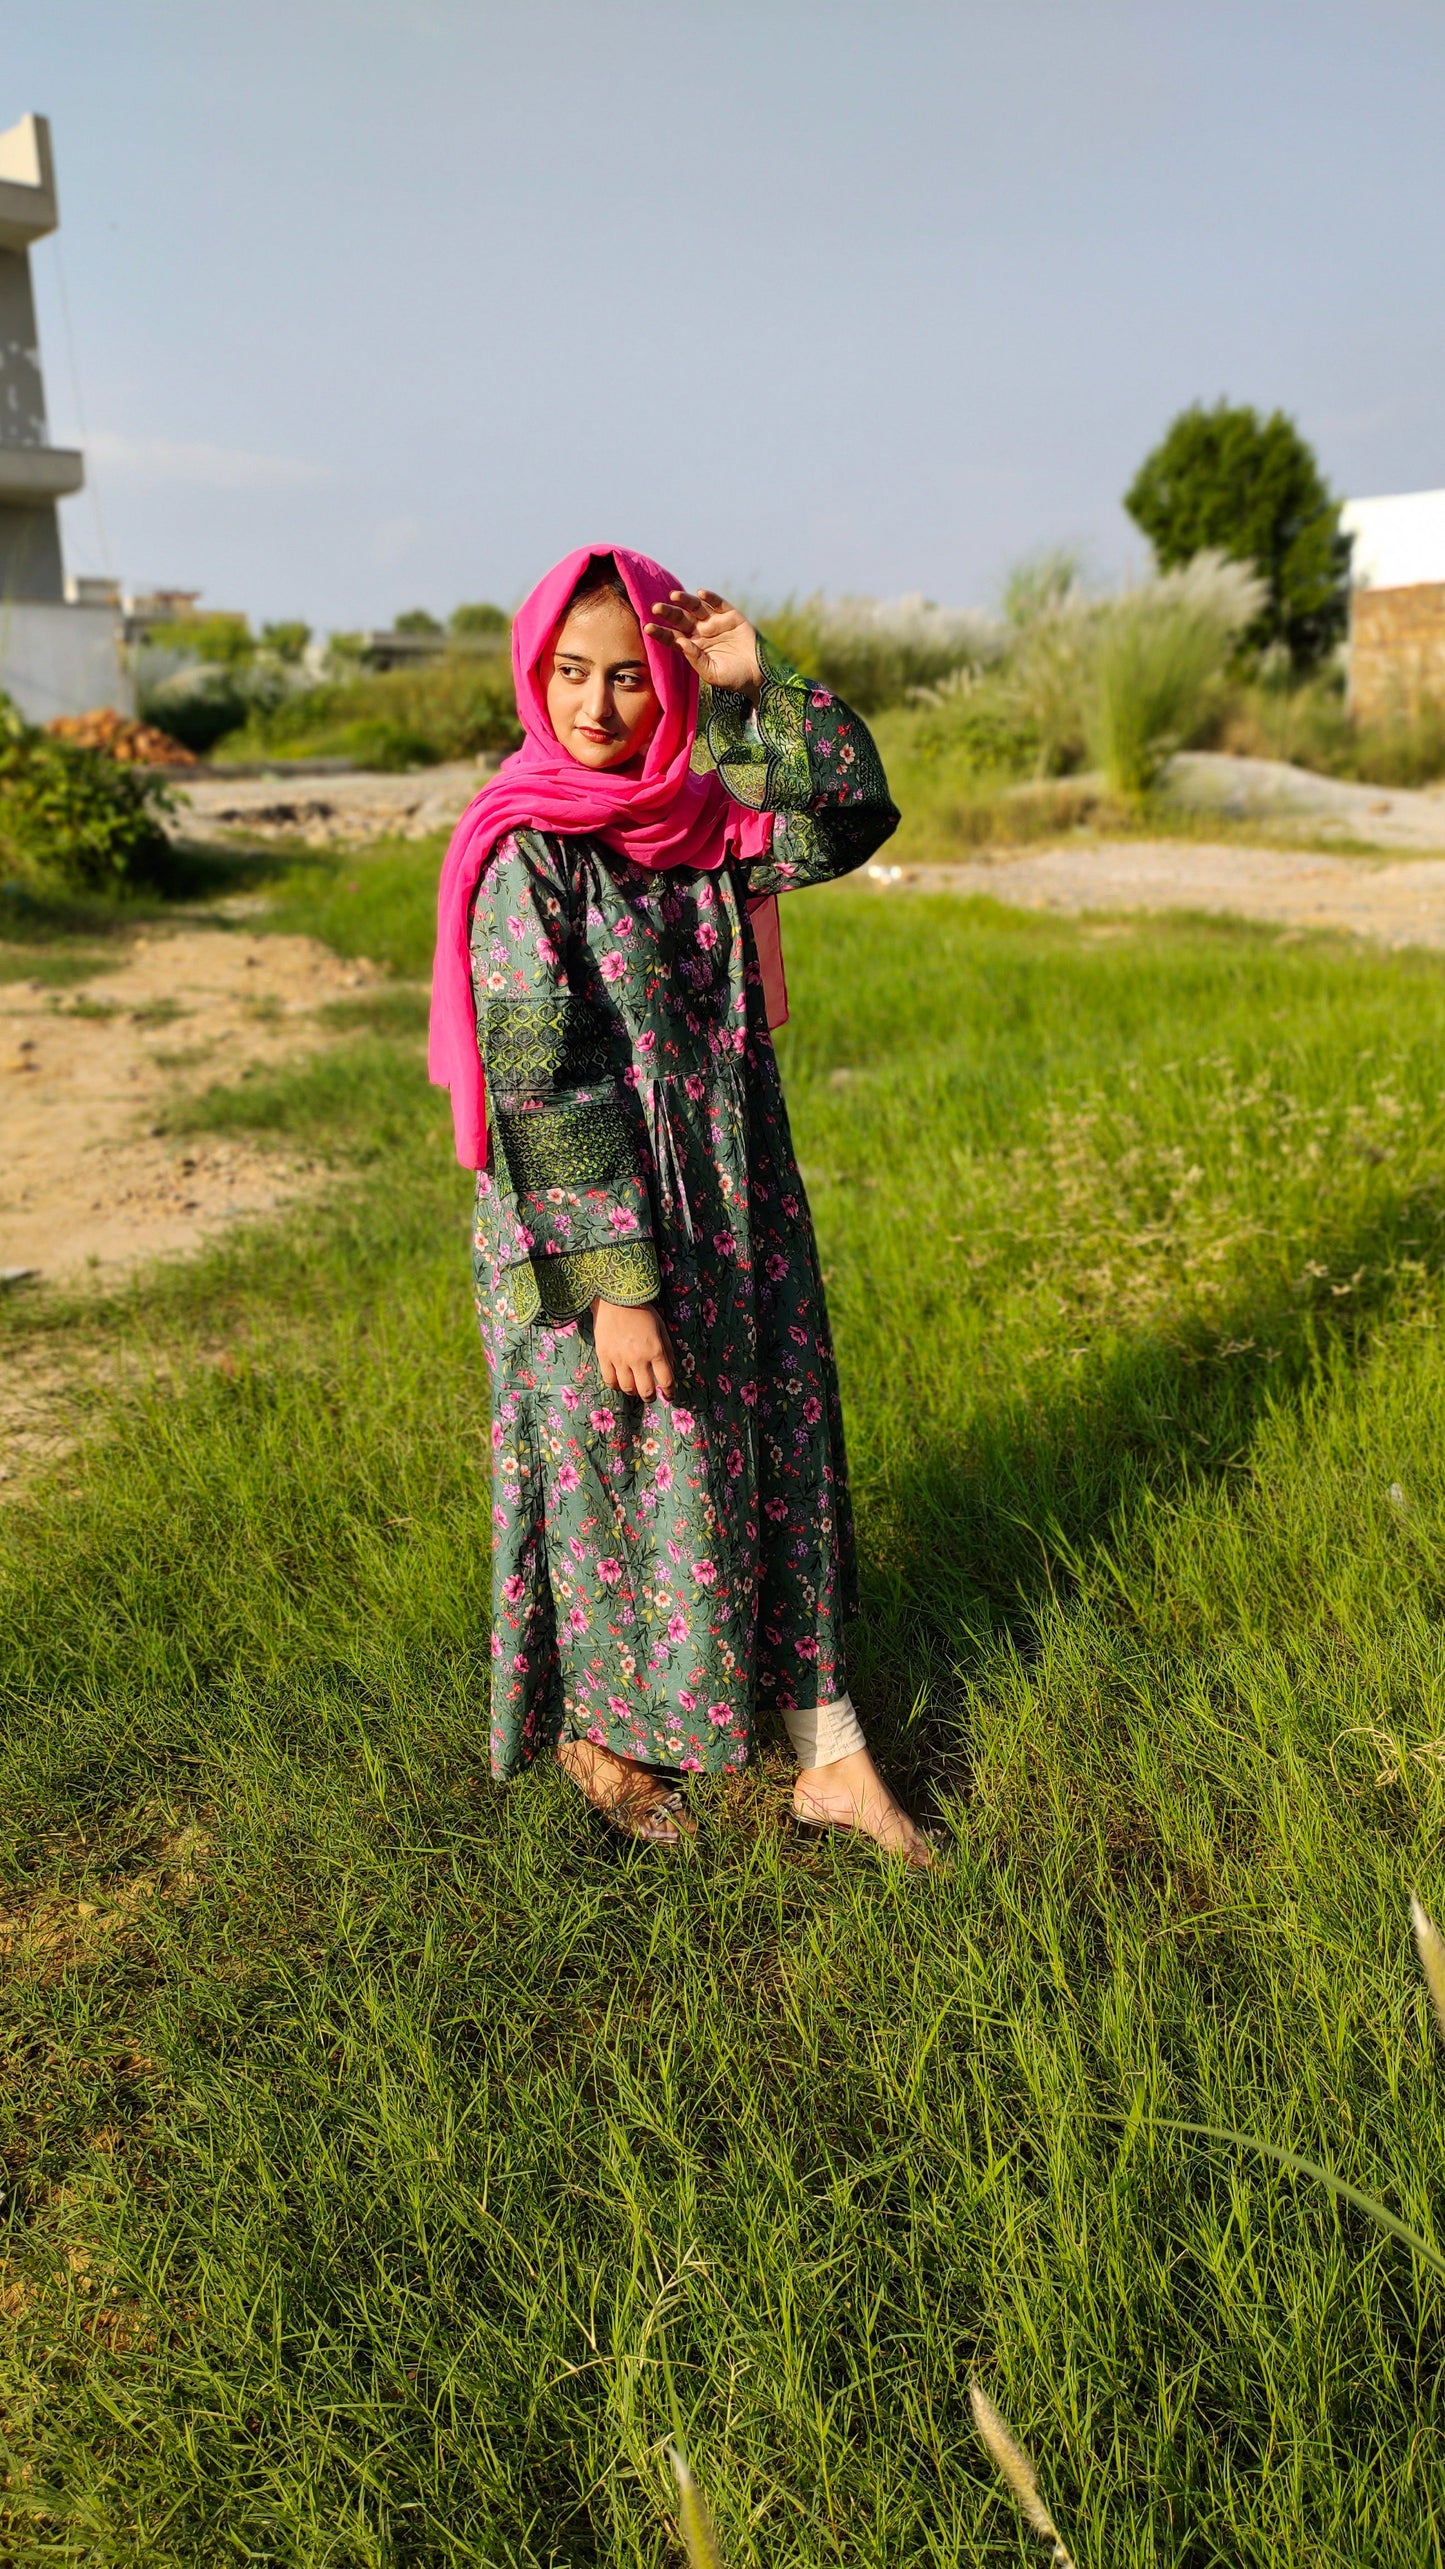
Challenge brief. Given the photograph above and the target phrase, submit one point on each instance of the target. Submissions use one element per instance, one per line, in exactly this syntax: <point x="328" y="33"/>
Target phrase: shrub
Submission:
<point x="459" y="705"/>
<point x="480" y="623"/>
<point x="1227" y="481"/>
<point x="978" y="722"/>
<point x="875" y="652"/>
<point x="72" y="819"/>
<point x="1159" y="654"/>
<point x="287" y="641"/>
<point x="197" y="703"/>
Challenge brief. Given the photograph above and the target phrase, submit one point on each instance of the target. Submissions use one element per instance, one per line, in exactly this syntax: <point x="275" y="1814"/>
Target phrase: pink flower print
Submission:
<point x="750" y="1395"/>
<point x="499" y="1519"/>
<point x="622" y="1217"/>
<point x="677" y="1628"/>
<point x="695" y="1085"/>
<point x="546" y="952"/>
<point x="600" y="1421"/>
<point x="609" y="1572"/>
<point x="735" y="1464"/>
<point x="631" y="1076"/>
<point x="525" y="1238"/>
<point x="664" y="1474"/>
<point x="798" y="1336"/>
<point x="706" y="934"/>
<point x="514" y="1589"/>
<point x="846" y="754"/>
<point x="812" y="1410"/>
<point x="612" y="967"/>
<point x="723" y="1243"/>
<point x="569" y="1478"/>
<point x="777" y="1509"/>
<point x="484" y="1183"/>
<point x="496" y="1645"/>
<point x="709" y="1311"/>
<point x="520" y="1660"/>
<point x="647" y="1041"/>
<point x="516" y="930"/>
<point x="820" y="698"/>
<point x="577" y="1620"/>
<point x="571" y="1397"/>
<point x="673" y="1551"/>
<point x="719" y="1716"/>
<point x="623" y="927"/>
<point x="687" y="1701"/>
<point x="704" y="896"/>
<point x="683" y="1421"/>
<point x="806" y="1649"/>
<point x="577" y="1550"/>
<point x="790" y="1207"/>
<point x="777" y="1266"/>
<point x="597" y="1735"/>
<point x="705" y="1573"/>
<point x="496" y="1436"/>
<point x="691" y="1765"/>
<point x="619" y="1705"/>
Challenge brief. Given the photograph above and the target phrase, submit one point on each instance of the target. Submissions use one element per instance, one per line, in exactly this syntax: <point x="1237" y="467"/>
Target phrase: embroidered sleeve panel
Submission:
<point x="809" y="758"/>
<point x="563" y="1287"/>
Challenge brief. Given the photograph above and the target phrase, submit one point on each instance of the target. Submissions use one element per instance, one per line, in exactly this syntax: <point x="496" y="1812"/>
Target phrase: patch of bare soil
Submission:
<point x="89" y="1186"/>
<point x="1399" y="902"/>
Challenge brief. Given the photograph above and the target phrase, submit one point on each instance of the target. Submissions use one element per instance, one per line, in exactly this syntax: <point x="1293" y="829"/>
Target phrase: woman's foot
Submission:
<point x="629" y="1797"/>
<point x="851" y="1794"/>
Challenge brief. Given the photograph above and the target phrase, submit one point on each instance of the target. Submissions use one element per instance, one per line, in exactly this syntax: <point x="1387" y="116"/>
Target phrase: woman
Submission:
<point x="672" y="1537"/>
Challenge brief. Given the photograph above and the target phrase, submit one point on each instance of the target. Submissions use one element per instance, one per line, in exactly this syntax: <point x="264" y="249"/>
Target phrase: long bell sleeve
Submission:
<point x="565" y="1148"/>
<point x="804" y="755"/>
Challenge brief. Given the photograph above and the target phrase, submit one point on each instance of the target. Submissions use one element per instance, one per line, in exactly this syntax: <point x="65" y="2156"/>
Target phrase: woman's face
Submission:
<point x="600" y="698"/>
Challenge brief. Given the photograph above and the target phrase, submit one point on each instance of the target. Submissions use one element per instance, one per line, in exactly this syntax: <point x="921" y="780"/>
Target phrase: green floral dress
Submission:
<point x="660" y="1574"/>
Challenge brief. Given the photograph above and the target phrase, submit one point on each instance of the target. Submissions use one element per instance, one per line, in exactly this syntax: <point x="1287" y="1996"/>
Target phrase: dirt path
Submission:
<point x="1397" y="903"/>
<point x="89" y="1188"/>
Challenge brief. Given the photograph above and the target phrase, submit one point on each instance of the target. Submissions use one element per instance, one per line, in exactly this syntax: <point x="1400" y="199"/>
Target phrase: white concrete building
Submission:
<point x="58" y="654"/>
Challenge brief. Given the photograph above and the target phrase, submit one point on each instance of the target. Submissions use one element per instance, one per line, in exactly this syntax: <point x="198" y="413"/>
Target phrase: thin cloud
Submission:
<point x="155" y="461"/>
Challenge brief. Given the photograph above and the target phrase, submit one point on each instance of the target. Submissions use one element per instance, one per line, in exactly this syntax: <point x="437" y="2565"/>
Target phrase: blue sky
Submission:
<point x="376" y="303"/>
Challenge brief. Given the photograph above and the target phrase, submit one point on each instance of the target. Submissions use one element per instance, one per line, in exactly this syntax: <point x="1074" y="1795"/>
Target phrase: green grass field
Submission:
<point x="382" y="2156"/>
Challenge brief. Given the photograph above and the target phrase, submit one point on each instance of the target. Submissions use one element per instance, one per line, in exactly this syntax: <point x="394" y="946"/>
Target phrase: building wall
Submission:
<point x="63" y="659"/>
<point x="1397" y="649"/>
<point x="30" y="563"/>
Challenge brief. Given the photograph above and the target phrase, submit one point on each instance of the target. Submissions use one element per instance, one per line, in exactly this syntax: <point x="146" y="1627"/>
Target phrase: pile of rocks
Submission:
<point x="132" y="744"/>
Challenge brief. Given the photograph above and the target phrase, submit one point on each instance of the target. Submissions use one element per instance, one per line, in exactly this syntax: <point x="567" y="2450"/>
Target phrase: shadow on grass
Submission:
<point x="992" y="1530"/>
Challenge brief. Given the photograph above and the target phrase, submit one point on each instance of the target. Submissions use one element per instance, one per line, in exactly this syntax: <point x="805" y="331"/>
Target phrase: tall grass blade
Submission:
<point x="1298" y="2166"/>
<point x="692" y="2515"/>
<point x="1014" y="2466"/>
<point x="1430" y="1946"/>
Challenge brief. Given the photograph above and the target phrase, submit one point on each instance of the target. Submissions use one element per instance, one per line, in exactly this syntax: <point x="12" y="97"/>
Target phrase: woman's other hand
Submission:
<point x="719" y="641"/>
<point x="634" y="1351"/>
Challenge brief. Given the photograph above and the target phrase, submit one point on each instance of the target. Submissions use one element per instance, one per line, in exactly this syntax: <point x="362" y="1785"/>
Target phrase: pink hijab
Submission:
<point x="666" y="816"/>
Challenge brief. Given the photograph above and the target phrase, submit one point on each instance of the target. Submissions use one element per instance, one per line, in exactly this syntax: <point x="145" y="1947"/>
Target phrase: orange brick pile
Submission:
<point x="132" y="744"/>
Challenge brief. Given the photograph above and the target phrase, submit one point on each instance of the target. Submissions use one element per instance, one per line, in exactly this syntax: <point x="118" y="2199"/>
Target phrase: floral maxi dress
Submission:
<point x="661" y="1574"/>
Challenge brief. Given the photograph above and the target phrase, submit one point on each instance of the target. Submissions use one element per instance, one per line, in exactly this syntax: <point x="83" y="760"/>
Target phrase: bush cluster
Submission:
<point x="71" y="819"/>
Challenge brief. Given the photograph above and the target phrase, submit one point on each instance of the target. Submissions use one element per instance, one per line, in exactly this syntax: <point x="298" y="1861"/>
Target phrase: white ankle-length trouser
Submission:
<point x="825" y="1732"/>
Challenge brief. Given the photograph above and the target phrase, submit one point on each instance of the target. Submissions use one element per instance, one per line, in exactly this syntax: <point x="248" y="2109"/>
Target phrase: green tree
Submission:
<point x="415" y="620"/>
<point x="287" y="640"/>
<point x="1226" y="480"/>
<point x="480" y="623"/>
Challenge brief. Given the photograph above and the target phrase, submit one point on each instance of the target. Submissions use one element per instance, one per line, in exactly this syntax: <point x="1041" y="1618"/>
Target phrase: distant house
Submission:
<point x="1397" y="607"/>
<point x="59" y="653"/>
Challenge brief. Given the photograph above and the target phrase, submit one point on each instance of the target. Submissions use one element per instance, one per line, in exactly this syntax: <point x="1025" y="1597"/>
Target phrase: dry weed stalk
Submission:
<point x="1014" y="2466"/>
<point x="1430" y="1946"/>
<point x="692" y="2515"/>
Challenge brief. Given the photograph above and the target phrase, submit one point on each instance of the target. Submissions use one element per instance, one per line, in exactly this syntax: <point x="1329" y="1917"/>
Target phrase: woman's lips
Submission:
<point x="589" y="734"/>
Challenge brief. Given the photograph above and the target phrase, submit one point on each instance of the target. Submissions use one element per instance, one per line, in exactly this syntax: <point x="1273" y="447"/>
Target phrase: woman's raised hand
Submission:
<point x="719" y="641"/>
